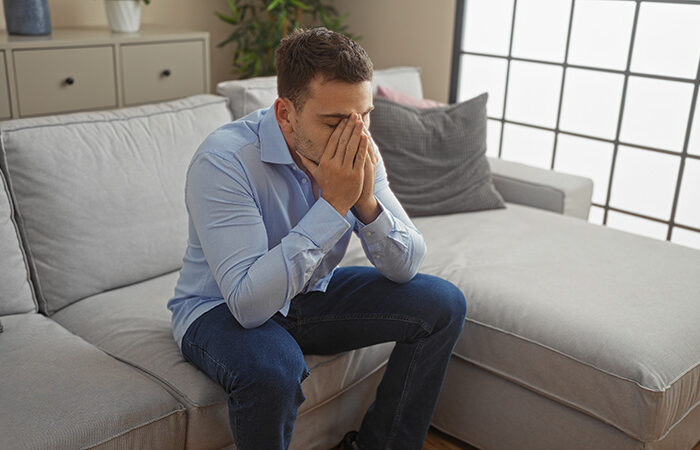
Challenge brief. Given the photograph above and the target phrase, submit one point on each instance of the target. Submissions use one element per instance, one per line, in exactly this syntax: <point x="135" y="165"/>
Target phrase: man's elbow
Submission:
<point x="403" y="278"/>
<point x="246" y="320"/>
<point x="248" y="324"/>
<point x="407" y="274"/>
<point x="419" y="252"/>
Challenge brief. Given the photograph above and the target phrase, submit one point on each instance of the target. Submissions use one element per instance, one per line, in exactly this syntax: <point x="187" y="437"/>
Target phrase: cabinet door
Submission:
<point x="162" y="71"/>
<point x="4" y="94"/>
<point x="65" y="79"/>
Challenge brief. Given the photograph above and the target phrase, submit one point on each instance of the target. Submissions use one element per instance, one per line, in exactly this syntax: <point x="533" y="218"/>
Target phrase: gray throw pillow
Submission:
<point x="435" y="158"/>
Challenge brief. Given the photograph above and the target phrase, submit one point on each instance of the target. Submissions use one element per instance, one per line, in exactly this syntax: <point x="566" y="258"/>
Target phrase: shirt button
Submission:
<point x="369" y="233"/>
<point x="378" y="256"/>
<point x="303" y="180"/>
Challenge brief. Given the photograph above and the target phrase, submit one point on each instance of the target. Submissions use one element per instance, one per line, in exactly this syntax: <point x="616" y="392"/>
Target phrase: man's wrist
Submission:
<point x="341" y="211"/>
<point x="367" y="210"/>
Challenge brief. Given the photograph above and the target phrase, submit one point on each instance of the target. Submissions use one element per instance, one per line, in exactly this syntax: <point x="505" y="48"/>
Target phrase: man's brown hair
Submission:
<point x="306" y="53"/>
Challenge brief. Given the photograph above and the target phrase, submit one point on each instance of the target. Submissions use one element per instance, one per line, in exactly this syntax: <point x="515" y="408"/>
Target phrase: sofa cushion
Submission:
<point x="16" y="293"/>
<point x="601" y="320"/>
<point x="133" y="324"/>
<point x="398" y="97"/>
<point x="553" y="190"/>
<point x="100" y="195"/>
<point x="60" y="392"/>
<point x="403" y="79"/>
<point x="436" y="157"/>
<point x="248" y="95"/>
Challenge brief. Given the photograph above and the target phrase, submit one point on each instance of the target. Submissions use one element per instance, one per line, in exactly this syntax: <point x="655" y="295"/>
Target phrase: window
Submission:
<point x="606" y="89"/>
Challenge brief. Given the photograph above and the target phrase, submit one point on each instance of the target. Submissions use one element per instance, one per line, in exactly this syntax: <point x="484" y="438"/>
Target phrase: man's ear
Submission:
<point x="285" y="114"/>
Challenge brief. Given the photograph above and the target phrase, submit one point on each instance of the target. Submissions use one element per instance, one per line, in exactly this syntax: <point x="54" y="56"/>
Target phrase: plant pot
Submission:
<point x="27" y="17"/>
<point x="124" y="16"/>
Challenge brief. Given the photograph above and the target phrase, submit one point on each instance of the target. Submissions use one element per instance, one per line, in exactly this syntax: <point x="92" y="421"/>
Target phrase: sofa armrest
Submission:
<point x="560" y="192"/>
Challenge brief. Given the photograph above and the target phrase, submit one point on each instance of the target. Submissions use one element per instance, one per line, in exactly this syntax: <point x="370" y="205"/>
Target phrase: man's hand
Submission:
<point x="367" y="208"/>
<point x="340" y="171"/>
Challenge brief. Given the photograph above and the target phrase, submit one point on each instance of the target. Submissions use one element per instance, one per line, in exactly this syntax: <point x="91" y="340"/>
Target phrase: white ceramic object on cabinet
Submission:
<point x="124" y="16"/>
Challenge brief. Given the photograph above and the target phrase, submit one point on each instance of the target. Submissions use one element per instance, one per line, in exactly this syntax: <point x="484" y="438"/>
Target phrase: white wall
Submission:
<point x="395" y="32"/>
<point x="407" y="32"/>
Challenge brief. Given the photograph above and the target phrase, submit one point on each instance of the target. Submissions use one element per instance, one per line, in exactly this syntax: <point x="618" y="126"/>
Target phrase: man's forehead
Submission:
<point x="331" y="98"/>
<point x="341" y="115"/>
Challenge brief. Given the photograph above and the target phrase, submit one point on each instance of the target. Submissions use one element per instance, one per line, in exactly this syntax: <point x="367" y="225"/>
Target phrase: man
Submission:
<point x="273" y="200"/>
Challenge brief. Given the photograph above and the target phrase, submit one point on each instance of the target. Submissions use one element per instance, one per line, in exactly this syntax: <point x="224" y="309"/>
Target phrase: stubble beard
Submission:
<point x="305" y="146"/>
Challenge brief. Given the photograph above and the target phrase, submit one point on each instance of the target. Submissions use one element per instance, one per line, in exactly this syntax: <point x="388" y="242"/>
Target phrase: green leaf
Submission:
<point x="226" y="18"/>
<point x="299" y="4"/>
<point x="236" y="12"/>
<point x="232" y="37"/>
<point x="274" y="4"/>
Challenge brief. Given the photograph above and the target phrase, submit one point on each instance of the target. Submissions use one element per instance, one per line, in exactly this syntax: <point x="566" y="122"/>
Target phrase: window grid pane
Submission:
<point x="533" y="126"/>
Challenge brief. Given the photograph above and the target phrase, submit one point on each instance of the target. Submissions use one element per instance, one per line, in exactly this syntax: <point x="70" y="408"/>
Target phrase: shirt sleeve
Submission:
<point x="392" y="243"/>
<point x="256" y="281"/>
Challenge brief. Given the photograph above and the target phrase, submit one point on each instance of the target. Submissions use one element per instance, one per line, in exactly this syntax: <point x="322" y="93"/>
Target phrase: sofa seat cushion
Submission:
<point x="601" y="320"/>
<point x="133" y="324"/>
<point x="16" y="293"/>
<point x="60" y="392"/>
<point x="99" y="195"/>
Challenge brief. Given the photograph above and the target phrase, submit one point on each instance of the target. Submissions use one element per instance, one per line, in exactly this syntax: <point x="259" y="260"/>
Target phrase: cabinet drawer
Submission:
<point x="65" y="79"/>
<point x="4" y="93"/>
<point x="164" y="71"/>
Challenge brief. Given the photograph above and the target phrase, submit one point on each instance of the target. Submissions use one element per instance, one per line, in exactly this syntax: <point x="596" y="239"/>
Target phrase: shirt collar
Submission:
<point x="273" y="147"/>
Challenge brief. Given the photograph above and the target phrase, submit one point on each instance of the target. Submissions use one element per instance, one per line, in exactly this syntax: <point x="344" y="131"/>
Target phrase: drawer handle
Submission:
<point x="165" y="73"/>
<point x="70" y="80"/>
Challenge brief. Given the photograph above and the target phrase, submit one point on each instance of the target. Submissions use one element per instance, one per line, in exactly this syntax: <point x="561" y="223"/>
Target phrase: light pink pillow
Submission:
<point x="398" y="97"/>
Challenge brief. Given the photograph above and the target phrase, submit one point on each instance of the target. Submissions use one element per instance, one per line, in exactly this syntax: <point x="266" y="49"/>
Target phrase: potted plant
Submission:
<point x="124" y="16"/>
<point x="260" y="25"/>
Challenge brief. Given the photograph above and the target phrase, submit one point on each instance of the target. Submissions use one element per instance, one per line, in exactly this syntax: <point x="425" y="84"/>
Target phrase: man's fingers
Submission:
<point x="344" y="138"/>
<point x="370" y="142"/>
<point x="332" y="144"/>
<point x="361" y="153"/>
<point x="353" y="143"/>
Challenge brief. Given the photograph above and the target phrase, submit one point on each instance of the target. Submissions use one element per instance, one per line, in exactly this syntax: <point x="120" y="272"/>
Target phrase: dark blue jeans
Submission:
<point x="262" y="368"/>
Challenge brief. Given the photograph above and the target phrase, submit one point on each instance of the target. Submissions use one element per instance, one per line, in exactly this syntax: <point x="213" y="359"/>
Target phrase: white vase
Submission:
<point x="124" y="16"/>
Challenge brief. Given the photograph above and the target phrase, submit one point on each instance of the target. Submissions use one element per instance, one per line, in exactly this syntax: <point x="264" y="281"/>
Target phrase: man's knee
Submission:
<point x="447" y="299"/>
<point x="454" y="301"/>
<point x="274" y="374"/>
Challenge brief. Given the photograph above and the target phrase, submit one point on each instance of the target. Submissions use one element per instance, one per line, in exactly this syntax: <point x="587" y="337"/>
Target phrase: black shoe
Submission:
<point x="348" y="442"/>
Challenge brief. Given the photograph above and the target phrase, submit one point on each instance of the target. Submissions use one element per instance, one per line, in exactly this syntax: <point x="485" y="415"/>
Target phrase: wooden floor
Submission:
<point x="438" y="440"/>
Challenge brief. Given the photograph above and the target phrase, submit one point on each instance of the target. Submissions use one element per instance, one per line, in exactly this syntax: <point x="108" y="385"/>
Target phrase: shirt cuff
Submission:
<point x="323" y="225"/>
<point x="377" y="230"/>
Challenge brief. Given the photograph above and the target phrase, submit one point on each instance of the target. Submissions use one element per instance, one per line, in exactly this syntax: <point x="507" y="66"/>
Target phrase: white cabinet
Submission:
<point x="80" y="69"/>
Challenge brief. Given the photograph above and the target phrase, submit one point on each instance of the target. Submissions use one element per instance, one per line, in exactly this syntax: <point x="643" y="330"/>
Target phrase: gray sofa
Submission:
<point x="577" y="335"/>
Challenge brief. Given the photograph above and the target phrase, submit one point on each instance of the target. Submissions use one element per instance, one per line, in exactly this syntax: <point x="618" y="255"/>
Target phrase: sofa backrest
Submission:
<point x="16" y="293"/>
<point x="99" y="196"/>
<point x="246" y="96"/>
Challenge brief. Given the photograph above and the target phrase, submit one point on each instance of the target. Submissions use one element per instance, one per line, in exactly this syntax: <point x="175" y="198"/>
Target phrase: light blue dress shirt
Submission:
<point x="257" y="235"/>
